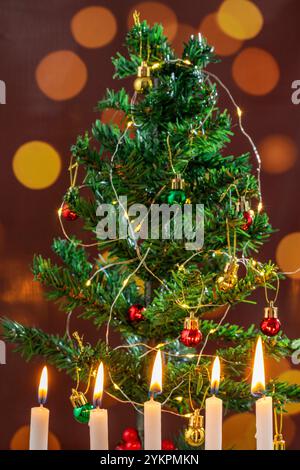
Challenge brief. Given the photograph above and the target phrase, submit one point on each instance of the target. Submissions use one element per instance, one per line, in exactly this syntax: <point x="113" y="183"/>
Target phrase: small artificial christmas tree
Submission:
<point x="169" y="149"/>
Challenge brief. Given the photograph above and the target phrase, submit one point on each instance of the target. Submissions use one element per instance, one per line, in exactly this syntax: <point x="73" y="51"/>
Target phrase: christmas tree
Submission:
<point x="157" y="291"/>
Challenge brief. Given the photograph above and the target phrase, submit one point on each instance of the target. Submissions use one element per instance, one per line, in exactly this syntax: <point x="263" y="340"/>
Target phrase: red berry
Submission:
<point x="190" y="337"/>
<point x="166" y="444"/>
<point x="270" y="326"/>
<point x="135" y="312"/>
<point x="130" y="435"/>
<point x="67" y="213"/>
<point x="133" y="445"/>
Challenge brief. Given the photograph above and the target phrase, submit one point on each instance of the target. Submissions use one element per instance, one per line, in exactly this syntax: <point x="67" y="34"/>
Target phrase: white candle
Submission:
<point x="152" y="409"/>
<point x="98" y="429"/>
<point x="264" y="406"/>
<point x="39" y="421"/>
<point x="98" y="421"/>
<point x="214" y="412"/>
<point x="264" y="424"/>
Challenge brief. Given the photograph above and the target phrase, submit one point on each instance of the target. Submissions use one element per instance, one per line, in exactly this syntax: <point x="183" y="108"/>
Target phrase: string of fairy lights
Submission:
<point x="142" y="259"/>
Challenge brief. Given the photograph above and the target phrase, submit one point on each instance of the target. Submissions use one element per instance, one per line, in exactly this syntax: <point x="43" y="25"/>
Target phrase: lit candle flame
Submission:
<point x="156" y="379"/>
<point x="258" y="385"/>
<point x="43" y="386"/>
<point x="215" y="376"/>
<point x="98" y="389"/>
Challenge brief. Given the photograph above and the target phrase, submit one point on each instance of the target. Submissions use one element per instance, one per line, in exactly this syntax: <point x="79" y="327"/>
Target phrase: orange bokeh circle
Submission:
<point x="20" y="440"/>
<point x="278" y="153"/>
<point x="224" y="45"/>
<point x="288" y="254"/>
<point x="61" y="75"/>
<point x="156" y="12"/>
<point x="255" y="71"/>
<point x="94" y="26"/>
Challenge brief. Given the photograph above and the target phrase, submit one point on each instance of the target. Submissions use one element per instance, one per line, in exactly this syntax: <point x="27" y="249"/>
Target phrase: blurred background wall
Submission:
<point x="55" y="62"/>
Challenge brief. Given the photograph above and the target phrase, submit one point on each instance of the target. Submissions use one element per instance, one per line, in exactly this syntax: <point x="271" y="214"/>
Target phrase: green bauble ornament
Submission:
<point x="82" y="413"/>
<point x="177" y="194"/>
<point x="82" y="408"/>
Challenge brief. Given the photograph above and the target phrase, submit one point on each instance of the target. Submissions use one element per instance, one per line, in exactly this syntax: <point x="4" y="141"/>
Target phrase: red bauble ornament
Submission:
<point x="135" y="312"/>
<point x="190" y="337"/>
<point x="67" y="213"/>
<point x="270" y="326"/>
<point x="133" y="445"/>
<point x="130" y="435"/>
<point x="248" y="217"/>
<point x="166" y="444"/>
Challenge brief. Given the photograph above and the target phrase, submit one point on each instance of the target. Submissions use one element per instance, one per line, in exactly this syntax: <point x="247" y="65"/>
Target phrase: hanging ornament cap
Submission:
<point x="144" y="70"/>
<point x="194" y="434"/>
<point x="177" y="183"/>
<point x="77" y="398"/>
<point x="271" y="311"/>
<point x="191" y="323"/>
<point x="143" y="80"/>
<point x="279" y="442"/>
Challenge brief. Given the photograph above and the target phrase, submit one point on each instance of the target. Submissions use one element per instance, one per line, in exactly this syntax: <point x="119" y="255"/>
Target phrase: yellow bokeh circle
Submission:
<point x="288" y="254"/>
<point x="156" y="12"/>
<point x="255" y="71"/>
<point x="94" y="26"/>
<point x="36" y="165"/>
<point x="240" y="19"/>
<point x="239" y="432"/>
<point x="61" y="75"/>
<point x="278" y="152"/>
<point x="292" y="377"/>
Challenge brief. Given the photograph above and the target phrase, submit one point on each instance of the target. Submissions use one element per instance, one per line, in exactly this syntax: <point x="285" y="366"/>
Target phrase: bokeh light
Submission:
<point x="240" y="19"/>
<point x="36" y="165"/>
<point x="292" y="377"/>
<point x="20" y="440"/>
<point x="255" y="71"/>
<point x="114" y="116"/>
<point x="184" y="32"/>
<point x="224" y="45"/>
<point x="244" y="438"/>
<point x="275" y="368"/>
<point x="278" y="153"/>
<point x="94" y="26"/>
<point x="61" y="75"/>
<point x="239" y="431"/>
<point x="156" y="12"/>
<point x="288" y="254"/>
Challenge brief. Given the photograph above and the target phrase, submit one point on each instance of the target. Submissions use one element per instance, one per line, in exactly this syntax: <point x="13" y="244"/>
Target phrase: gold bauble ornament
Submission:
<point x="143" y="81"/>
<point x="194" y="434"/>
<point x="229" y="279"/>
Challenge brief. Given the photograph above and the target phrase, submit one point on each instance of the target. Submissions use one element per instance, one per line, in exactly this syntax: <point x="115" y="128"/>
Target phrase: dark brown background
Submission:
<point x="28" y="32"/>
